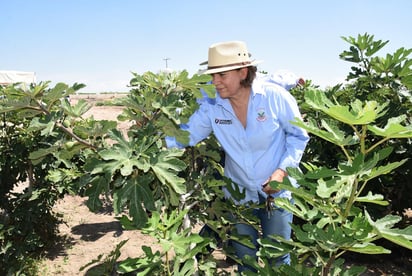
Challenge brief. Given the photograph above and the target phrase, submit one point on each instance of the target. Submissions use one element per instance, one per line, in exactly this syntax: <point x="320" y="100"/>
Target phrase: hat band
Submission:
<point x="229" y="65"/>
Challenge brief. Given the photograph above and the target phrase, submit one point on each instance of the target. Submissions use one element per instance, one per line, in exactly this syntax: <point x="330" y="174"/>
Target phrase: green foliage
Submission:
<point x="179" y="247"/>
<point x="182" y="184"/>
<point x="161" y="191"/>
<point x="384" y="82"/>
<point x="27" y="222"/>
<point x="136" y="170"/>
<point x="334" y="197"/>
<point x="355" y="163"/>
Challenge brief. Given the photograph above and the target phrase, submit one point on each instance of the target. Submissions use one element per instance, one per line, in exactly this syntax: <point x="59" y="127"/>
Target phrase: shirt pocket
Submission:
<point x="264" y="131"/>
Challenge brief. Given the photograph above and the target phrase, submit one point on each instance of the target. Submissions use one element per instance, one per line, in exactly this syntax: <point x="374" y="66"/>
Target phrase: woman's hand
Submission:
<point x="278" y="176"/>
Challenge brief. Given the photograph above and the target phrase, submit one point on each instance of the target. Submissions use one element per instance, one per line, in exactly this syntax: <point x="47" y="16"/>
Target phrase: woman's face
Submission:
<point x="227" y="83"/>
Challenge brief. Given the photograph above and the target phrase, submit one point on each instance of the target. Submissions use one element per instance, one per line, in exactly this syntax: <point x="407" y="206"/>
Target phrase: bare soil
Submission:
<point x="86" y="235"/>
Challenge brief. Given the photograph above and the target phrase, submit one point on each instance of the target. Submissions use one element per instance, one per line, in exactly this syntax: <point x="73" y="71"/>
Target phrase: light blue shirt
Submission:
<point x="268" y="142"/>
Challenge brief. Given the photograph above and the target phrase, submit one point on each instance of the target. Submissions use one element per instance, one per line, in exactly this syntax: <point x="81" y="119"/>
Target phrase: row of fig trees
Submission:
<point x="358" y="167"/>
<point x="354" y="178"/>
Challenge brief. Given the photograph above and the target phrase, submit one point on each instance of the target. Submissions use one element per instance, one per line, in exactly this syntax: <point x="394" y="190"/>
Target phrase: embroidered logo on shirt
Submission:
<point x="223" y="121"/>
<point x="261" y="116"/>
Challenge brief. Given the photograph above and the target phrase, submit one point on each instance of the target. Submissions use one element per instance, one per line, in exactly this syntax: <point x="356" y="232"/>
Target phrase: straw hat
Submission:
<point x="225" y="56"/>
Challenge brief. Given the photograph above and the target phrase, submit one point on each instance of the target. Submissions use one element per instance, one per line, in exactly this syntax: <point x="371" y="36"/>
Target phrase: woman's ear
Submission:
<point x="243" y="73"/>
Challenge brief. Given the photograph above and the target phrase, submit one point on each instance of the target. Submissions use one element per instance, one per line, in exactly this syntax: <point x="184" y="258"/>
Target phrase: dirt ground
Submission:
<point x="86" y="235"/>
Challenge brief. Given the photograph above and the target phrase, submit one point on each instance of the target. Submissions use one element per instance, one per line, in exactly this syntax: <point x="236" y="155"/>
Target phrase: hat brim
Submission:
<point x="228" y="68"/>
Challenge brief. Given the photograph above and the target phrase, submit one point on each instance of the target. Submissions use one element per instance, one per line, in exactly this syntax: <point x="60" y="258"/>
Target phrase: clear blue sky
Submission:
<point x="100" y="42"/>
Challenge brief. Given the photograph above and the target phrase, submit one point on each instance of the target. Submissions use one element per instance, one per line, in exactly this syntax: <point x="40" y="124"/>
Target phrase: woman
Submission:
<point x="252" y="122"/>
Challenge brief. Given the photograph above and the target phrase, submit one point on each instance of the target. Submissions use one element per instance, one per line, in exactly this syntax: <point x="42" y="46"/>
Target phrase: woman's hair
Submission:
<point x="251" y="74"/>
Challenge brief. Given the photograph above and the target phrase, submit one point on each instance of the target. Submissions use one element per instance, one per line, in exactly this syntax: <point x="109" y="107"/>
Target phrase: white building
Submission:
<point x="9" y="77"/>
